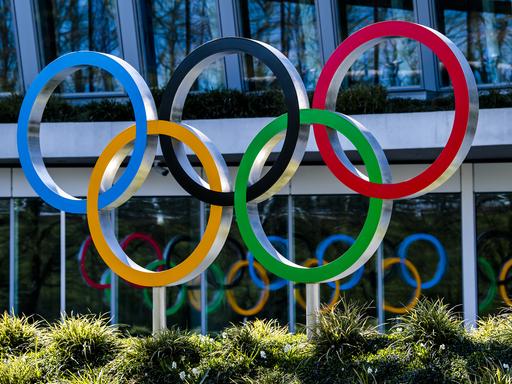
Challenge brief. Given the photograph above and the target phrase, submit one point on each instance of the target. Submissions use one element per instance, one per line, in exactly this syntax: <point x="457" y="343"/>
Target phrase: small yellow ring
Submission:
<point x="417" y="292"/>
<point x="200" y="257"/>
<point x="264" y="295"/>
<point x="300" y="299"/>
<point x="503" y="275"/>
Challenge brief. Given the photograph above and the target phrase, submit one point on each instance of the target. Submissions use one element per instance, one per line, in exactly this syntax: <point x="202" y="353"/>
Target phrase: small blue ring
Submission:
<point x="441" y="265"/>
<point x="320" y="252"/>
<point x="276" y="284"/>
<point x="127" y="79"/>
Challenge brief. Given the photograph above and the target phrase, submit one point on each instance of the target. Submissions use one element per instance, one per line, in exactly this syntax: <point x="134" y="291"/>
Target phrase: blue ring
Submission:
<point x="276" y="284"/>
<point x="441" y="265"/>
<point x="127" y="79"/>
<point x="320" y="252"/>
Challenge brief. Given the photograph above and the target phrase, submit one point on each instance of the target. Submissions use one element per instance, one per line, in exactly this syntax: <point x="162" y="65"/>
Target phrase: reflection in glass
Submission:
<point x="482" y="29"/>
<point x="37" y="228"/>
<point x="171" y="30"/>
<point x="86" y="273"/>
<point x="74" y="25"/>
<point x="9" y="75"/>
<point x="233" y="294"/>
<point x="289" y="26"/>
<point x="393" y="63"/>
<point x="4" y="254"/>
<point x="494" y="251"/>
<point x="146" y="225"/>
<point x="437" y="217"/>
<point x="317" y="218"/>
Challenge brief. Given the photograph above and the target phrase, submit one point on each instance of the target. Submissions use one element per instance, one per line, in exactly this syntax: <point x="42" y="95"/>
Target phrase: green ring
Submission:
<point x="218" y="298"/>
<point x="325" y="272"/>
<point x="180" y="300"/>
<point x="493" y="287"/>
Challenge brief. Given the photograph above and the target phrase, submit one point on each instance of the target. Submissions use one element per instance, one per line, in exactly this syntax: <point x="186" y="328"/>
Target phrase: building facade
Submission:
<point x="457" y="240"/>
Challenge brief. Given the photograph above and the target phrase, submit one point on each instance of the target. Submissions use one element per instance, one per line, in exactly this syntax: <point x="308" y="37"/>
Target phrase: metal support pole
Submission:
<point x="113" y="283"/>
<point x="291" y="257"/>
<point x="159" y="304"/>
<point x="62" y="263"/>
<point x="312" y="308"/>
<point x="380" y="289"/>
<point x="469" y="261"/>
<point x="13" y="262"/>
<point x="204" y="281"/>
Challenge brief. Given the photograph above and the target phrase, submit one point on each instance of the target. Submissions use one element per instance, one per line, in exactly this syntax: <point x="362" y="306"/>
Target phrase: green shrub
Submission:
<point x="18" y="335"/>
<point x="162" y="358"/>
<point x="82" y="342"/>
<point x="26" y="369"/>
<point x="432" y="322"/>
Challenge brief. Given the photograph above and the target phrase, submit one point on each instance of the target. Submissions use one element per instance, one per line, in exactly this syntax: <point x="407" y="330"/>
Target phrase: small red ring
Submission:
<point x="464" y="97"/>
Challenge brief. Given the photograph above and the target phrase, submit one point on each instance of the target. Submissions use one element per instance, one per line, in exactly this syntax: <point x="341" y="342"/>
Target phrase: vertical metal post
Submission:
<point x="113" y="282"/>
<point x="312" y="308"/>
<point x="62" y="263"/>
<point x="469" y="261"/>
<point x="327" y="25"/>
<point x="13" y="262"/>
<point x="128" y="32"/>
<point x="291" y="257"/>
<point x="380" y="289"/>
<point x="159" y="304"/>
<point x="204" y="281"/>
<point x="425" y="14"/>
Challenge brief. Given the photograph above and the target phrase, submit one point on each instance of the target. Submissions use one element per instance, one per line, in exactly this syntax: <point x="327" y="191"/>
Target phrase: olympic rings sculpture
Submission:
<point x="251" y="185"/>
<point x="223" y="286"/>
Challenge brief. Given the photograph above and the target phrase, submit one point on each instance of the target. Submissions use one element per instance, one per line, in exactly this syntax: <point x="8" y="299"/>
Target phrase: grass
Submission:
<point x="427" y="345"/>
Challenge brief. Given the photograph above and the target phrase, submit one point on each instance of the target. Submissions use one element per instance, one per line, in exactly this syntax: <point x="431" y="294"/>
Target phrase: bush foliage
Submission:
<point x="359" y="99"/>
<point x="427" y="345"/>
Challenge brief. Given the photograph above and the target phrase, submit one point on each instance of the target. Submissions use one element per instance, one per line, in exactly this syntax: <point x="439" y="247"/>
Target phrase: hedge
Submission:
<point x="361" y="99"/>
<point x="428" y="345"/>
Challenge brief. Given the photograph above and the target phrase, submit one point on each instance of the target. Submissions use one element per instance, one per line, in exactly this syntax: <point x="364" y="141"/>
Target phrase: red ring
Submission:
<point x="82" y="254"/>
<point x="127" y="240"/>
<point x="463" y="111"/>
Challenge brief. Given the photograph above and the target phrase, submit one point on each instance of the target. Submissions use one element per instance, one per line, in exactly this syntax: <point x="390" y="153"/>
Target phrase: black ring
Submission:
<point x="186" y="73"/>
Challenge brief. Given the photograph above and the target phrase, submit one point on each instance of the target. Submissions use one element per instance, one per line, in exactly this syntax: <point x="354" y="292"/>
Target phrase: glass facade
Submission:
<point x="74" y="25"/>
<point x="291" y="27"/>
<point x="9" y="71"/>
<point x="393" y="63"/>
<point x="494" y="245"/>
<point x="482" y="29"/>
<point x="171" y="30"/>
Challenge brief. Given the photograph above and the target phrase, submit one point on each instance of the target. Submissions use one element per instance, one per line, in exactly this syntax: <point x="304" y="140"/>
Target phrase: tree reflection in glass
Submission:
<point x="9" y="77"/>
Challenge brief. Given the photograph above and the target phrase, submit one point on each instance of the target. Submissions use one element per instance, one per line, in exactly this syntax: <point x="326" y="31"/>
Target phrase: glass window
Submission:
<point x="147" y="226"/>
<point x="289" y="26"/>
<point x="37" y="231"/>
<point x="171" y="30"/>
<point x="482" y="29"/>
<point x="4" y="254"/>
<point x="87" y="286"/>
<point x="494" y="251"/>
<point x="74" y="25"/>
<point x="324" y="227"/>
<point x="9" y="75"/>
<point x="426" y="232"/>
<point x="393" y="63"/>
<point x="238" y="285"/>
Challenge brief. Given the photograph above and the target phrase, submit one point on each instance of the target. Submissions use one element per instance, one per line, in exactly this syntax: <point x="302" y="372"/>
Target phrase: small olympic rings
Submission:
<point x="388" y="262"/>
<point x="320" y="252"/>
<point x="251" y="185"/>
<point x="441" y="265"/>
<point x="464" y="125"/>
<point x="491" y="292"/>
<point x="264" y="295"/>
<point x="502" y="277"/>
<point x="82" y="254"/>
<point x="335" y="294"/>
<point x="218" y="298"/>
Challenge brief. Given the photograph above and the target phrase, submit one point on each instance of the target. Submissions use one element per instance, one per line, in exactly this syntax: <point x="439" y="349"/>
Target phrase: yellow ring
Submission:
<point x="300" y="299"/>
<point x="503" y="276"/>
<point x="263" y="295"/>
<point x="128" y="269"/>
<point x="417" y="292"/>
